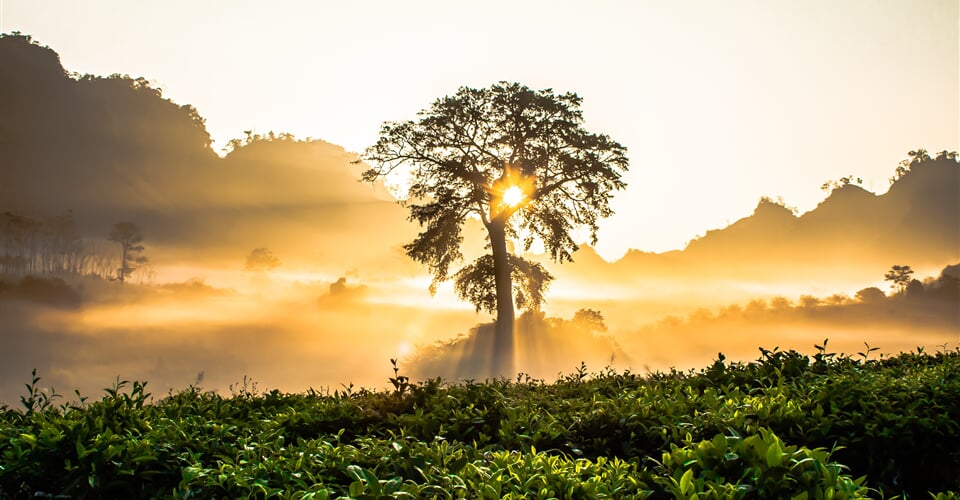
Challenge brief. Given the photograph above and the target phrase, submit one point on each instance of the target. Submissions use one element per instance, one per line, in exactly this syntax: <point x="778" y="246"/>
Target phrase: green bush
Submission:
<point x="758" y="466"/>
<point x="731" y="430"/>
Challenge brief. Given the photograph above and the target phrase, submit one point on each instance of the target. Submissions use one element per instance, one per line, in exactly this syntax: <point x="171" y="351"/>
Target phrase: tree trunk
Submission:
<point x="502" y="364"/>
<point x="123" y="263"/>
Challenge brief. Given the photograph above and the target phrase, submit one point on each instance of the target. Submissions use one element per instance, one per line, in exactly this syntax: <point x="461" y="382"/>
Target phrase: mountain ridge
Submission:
<point x="114" y="148"/>
<point x="916" y="222"/>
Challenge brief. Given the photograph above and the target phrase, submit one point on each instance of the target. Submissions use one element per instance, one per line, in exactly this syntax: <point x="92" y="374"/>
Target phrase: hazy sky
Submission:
<point x="719" y="103"/>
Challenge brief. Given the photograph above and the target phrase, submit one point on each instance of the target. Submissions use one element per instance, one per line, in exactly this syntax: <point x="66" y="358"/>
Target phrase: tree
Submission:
<point x="841" y="183"/>
<point x="261" y="260"/>
<point x="914" y="289"/>
<point x="519" y="161"/>
<point x="127" y="234"/>
<point x="899" y="276"/>
<point x="871" y="295"/>
<point x="919" y="156"/>
<point x="916" y="158"/>
<point x="589" y="320"/>
<point x="809" y="301"/>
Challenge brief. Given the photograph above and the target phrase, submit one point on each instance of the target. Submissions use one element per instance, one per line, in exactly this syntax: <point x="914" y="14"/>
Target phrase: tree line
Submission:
<point x="52" y="247"/>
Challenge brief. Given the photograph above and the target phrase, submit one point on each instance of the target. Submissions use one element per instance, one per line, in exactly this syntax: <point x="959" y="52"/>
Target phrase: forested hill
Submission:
<point x="918" y="218"/>
<point x="853" y="233"/>
<point x="72" y="141"/>
<point x="113" y="148"/>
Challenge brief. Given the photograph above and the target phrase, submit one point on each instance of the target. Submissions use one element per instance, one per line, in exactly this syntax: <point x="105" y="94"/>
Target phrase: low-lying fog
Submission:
<point x="292" y="331"/>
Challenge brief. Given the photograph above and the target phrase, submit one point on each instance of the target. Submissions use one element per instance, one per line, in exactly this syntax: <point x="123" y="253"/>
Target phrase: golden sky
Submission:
<point x="719" y="103"/>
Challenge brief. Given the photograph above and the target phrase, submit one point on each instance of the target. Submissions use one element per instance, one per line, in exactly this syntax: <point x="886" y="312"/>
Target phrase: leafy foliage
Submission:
<point x="475" y="283"/>
<point x="899" y="276"/>
<point x="466" y="150"/>
<point x="785" y="426"/>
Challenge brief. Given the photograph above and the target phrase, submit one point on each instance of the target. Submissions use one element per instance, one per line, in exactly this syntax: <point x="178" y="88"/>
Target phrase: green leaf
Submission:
<point x="82" y="451"/>
<point x="356" y="489"/>
<point x="686" y="482"/>
<point x="774" y="454"/>
<point x="720" y="442"/>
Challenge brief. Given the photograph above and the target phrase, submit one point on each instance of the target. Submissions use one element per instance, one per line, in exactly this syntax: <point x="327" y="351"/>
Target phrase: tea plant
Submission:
<point x="785" y="426"/>
<point x="36" y="398"/>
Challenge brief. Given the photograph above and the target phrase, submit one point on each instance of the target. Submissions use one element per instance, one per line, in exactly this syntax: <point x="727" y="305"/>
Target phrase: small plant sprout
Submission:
<point x="37" y="399"/>
<point x="400" y="382"/>
<point x="822" y="348"/>
<point x="347" y="390"/>
<point x="866" y="353"/>
<point x="245" y="389"/>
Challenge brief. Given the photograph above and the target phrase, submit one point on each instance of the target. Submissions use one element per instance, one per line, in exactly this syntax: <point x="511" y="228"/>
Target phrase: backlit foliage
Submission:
<point x="465" y="151"/>
<point x="785" y="426"/>
<point x="475" y="283"/>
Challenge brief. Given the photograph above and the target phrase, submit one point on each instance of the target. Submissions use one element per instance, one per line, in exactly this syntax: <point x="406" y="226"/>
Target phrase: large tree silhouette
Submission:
<point x="519" y="161"/>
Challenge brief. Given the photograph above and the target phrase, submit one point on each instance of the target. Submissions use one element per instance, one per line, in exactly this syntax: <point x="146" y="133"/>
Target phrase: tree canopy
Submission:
<point x="900" y="277"/>
<point x="127" y="234"/>
<point x="261" y="260"/>
<point x="516" y="159"/>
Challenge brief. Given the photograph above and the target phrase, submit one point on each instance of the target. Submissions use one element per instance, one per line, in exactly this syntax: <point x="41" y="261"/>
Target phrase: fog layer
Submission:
<point x="79" y="154"/>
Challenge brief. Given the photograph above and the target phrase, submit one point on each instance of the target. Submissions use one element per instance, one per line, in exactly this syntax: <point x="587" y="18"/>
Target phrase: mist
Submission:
<point x="290" y="337"/>
<point x="83" y="153"/>
<point x="295" y="335"/>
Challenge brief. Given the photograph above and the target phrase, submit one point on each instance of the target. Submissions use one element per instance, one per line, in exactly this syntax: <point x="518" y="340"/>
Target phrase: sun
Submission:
<point x="404" y="348"/>
<point x="512" y="196"/>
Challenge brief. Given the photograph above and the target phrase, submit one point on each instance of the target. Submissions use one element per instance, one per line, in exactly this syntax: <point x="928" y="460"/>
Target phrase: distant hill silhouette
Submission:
<point x="113" y="148"/>
<point x="74" y="141"/>
<point x="853" y="233"/>
<point x="917" y="219"/>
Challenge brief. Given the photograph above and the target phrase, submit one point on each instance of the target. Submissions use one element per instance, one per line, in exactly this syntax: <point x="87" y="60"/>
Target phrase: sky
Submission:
<point x="718" y="103"/>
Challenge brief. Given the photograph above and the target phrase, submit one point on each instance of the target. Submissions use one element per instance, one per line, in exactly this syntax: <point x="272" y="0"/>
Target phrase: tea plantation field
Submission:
<point x="786" y="426"/>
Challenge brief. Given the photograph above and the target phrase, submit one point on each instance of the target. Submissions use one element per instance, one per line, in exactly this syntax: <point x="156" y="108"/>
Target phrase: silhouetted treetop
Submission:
<point x="518" y="160"/>
<point x="467" y="148"/>
<point x="261" y="259"/>
<point x="127" y="234"/>
<point x="900" y="276"/>
<point x="29" y="58"/>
